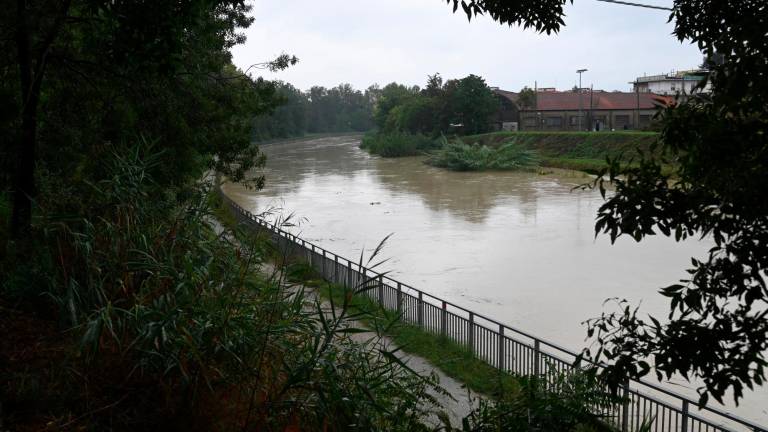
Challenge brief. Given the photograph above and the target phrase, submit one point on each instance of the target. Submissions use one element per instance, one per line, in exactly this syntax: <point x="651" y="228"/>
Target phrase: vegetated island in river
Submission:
<point x="582" y="151"/>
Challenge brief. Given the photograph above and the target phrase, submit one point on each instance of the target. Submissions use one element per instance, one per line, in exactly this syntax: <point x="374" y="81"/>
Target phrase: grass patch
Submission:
<point x="572" y="145"/>
<point x="583" y="151"/>
<point x="455" y="360"/>
<point x="398" y="144"/>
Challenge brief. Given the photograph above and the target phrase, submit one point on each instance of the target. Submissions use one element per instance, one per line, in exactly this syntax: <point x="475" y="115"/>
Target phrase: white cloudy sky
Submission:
<point x="379" y="41"/>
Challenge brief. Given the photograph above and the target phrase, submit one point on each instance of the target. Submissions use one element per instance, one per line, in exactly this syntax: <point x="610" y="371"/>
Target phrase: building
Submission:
<point x="561" y="110"/>
<point x="671" y="84"/>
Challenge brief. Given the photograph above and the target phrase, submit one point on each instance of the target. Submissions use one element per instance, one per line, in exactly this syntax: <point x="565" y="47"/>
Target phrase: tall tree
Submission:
<point x="717" y="327"/>
<point x="92" y="72"/>
<point x="473" y="104"/>
<point x="527" y="98"/>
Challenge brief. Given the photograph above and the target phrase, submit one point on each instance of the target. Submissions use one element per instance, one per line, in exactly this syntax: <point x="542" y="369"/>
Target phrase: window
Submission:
<point x="553" y="121"/>
<point x="574" y="120"/>
<point x="645" y="119"/>
<point x="622" y="119"/>
<point x="529" y="121"/>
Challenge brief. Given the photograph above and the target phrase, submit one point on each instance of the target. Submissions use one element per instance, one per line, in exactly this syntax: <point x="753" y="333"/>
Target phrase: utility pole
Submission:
<point x="580" y="71"/>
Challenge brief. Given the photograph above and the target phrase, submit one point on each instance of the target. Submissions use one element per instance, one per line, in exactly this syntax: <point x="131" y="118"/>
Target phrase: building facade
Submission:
<point x="671" y="84"/>
<point x="582" y="110"/>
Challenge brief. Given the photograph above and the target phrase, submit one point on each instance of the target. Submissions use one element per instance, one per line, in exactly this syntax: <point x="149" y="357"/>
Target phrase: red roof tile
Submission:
<point x="561" y="101"/>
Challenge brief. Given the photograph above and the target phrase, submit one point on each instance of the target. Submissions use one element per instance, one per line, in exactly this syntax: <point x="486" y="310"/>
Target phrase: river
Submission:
<point x="518" y="247"/>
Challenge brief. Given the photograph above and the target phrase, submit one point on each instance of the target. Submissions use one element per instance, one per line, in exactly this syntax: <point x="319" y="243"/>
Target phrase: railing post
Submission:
<point x="444" y="319"/>
<point x="501" y="347"/>
<point x="350" y="276"/>
<point x="399" y="299"/>
<point x="625" y="408"/>
<point x="312" y="257"/>
<point x="471" y="335"/>
<point x="381" y="291"/>
<point x="684" y="423"/>
<point x="325" y="275"/>
<point x="420" y="310"/>
<point x="335" y="269"/>
<point x="536" y="355"/>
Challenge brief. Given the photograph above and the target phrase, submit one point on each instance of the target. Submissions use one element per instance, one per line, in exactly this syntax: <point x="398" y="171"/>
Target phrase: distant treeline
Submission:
<point x="459" y="106"/>
<point x="319" y="110"/>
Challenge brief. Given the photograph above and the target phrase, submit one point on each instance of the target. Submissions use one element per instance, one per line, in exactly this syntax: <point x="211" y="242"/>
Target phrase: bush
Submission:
<point x="458" y="156"/>
<point x="174" y="328"/>
<point x="398" y="144"/>
<point x="567" y="402"/>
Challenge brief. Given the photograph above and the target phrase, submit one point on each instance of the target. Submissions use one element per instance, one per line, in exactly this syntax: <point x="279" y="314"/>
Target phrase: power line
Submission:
<point x="637" y="4"/>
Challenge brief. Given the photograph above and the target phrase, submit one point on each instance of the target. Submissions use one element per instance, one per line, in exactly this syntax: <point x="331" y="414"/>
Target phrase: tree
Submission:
<point x="473" y="103"/>
<point x="546" y="16"/>
<point x="718" y="326"/>
<point x="86" y="73"/>
<point x="392" y="95"/>
<point x="526" y="98"/>
<point x="434" y="86"/>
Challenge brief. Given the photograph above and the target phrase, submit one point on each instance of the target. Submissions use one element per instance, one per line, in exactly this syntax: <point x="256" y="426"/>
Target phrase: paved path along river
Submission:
<point x="519" y="247"/>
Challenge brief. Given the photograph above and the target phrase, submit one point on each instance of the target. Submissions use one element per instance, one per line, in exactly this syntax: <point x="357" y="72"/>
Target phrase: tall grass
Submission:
<point x="573" y="145"/>
<point x="398" y="144"/>
<point x="177" y="327"/>
<point x="458" y="156"/>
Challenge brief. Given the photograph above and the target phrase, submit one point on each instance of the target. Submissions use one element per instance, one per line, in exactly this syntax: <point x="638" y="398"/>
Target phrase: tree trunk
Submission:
<point x="23" y="182"/>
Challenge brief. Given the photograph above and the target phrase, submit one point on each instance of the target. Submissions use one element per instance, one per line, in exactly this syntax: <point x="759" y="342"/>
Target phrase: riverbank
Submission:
<point x="582" y="151"/>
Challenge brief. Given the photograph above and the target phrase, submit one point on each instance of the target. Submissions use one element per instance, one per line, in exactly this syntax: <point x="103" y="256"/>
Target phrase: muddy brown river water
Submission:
<point x="518" y="247"/>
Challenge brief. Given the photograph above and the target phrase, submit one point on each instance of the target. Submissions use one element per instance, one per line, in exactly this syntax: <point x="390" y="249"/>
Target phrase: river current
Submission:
<point x="519" y="247"/>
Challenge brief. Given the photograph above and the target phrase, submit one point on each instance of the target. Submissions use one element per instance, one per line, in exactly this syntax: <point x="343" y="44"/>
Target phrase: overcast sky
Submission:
<point x="373" y="41"/>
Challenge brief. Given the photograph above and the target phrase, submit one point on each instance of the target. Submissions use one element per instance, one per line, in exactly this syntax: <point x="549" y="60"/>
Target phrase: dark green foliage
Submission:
<point x="527" y="98"/>
<point x="718" y="324"/>
<point x="544" y="16"/>
<point x="392" y="96"/>
<point x="587" y="145"/>
<point x="568" y="402"/>
<point x="398" y="144"/>
<point x="470" y="103"/>
<point x="287" y="120"/>
<point x="184" y="328"/>
<point x="96" y="72"/>
<point x="339" y="109"/>
<point x="318" y="111"/>
<point x="458" y="156"/>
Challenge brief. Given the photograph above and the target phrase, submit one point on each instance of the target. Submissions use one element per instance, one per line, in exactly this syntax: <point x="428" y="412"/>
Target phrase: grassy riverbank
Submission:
<point x="582" y="151"/>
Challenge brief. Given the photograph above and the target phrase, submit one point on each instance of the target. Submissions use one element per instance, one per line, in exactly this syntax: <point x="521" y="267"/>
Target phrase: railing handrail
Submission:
<point x="682" y="398"/>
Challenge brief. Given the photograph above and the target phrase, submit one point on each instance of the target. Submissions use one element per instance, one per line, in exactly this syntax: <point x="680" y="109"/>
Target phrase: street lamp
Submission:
<point x="580" y="71"/>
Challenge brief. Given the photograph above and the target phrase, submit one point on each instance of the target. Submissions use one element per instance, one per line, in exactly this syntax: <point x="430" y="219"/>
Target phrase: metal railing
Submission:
<point x="499" y="345"/>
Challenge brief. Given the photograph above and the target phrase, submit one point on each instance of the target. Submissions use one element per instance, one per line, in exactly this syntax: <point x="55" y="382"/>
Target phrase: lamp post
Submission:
<point x="580" y="71"/>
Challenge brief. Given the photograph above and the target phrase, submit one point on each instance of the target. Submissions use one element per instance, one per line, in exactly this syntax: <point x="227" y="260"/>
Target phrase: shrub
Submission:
<point x="398" y="144"/>
<point x="175" y="327"/>
<point x="459" y="156"/>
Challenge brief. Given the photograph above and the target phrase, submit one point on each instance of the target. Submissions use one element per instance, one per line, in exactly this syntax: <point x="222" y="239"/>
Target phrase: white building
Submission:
<point x="671" y="84"/>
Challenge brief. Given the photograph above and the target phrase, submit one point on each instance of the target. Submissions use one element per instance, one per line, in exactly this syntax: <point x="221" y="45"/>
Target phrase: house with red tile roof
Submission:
<point x="584" y="110"/>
